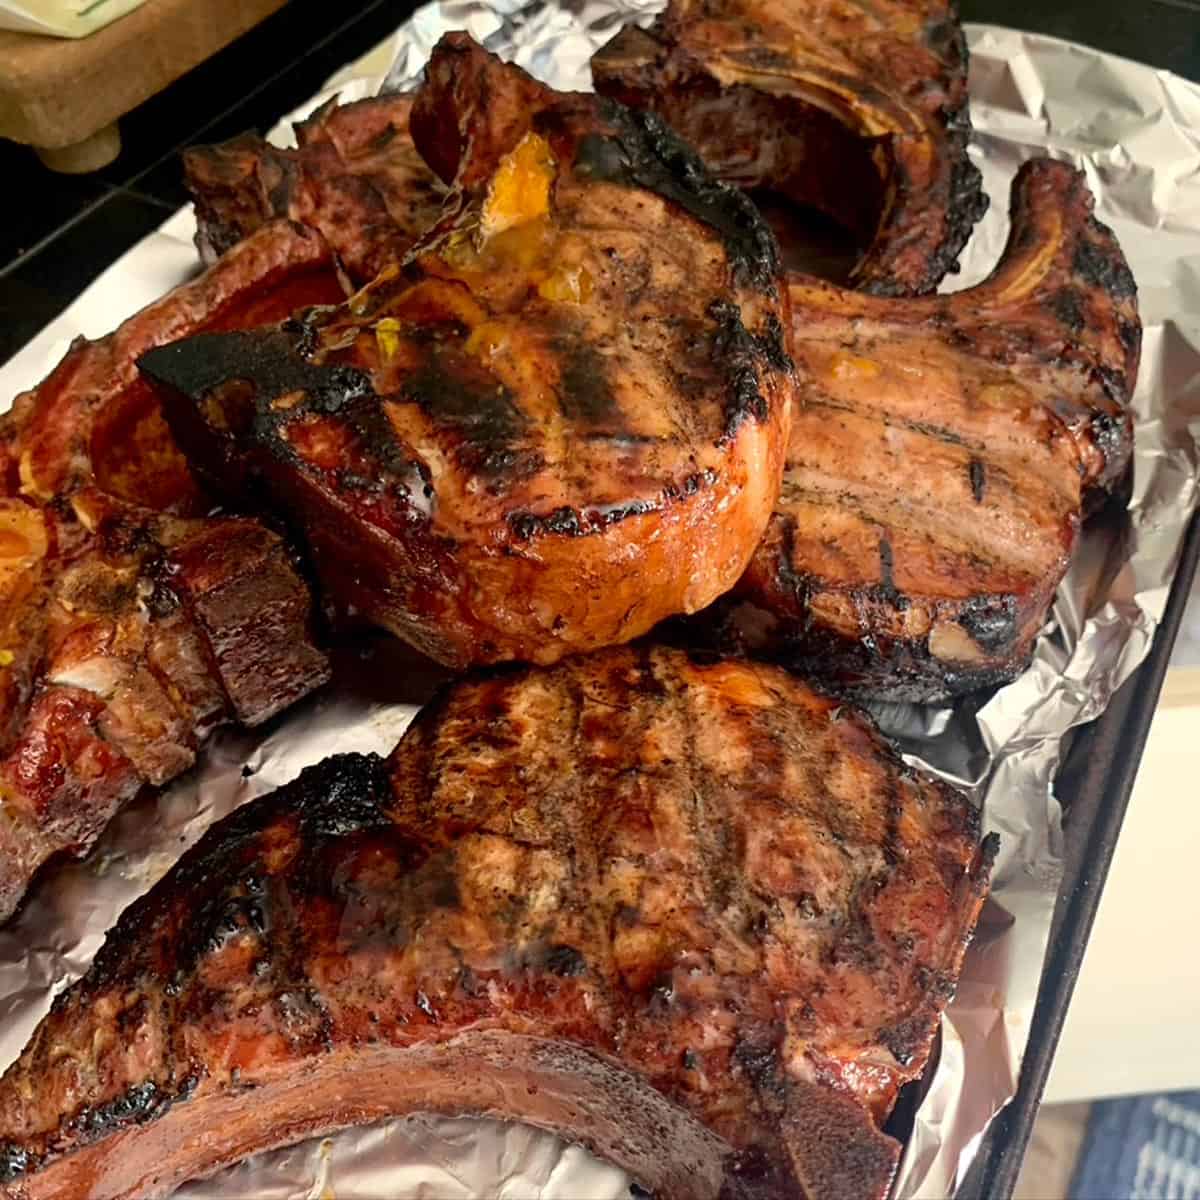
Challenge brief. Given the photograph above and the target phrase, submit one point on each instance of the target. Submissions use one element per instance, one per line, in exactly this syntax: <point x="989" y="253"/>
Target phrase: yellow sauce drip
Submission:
<point x="851" y="366"/>
<point x="520" y="190"/>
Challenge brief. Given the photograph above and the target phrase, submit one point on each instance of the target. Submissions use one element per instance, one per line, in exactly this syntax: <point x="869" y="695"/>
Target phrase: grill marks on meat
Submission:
<point x="355" y="178"/>
<point x="128" y="626"/>
<point x="695" y="916"/>
<point x="940" y="456"/>
<point x="562" y="420"/>
<point x="857" y="110"/>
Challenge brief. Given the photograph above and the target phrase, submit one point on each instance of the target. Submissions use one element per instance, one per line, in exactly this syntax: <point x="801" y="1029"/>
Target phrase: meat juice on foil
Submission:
<point x="1136" y="133"/>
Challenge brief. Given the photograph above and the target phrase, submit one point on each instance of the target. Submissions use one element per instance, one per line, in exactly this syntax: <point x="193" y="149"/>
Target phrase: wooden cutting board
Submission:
<point x="65" y="97"/>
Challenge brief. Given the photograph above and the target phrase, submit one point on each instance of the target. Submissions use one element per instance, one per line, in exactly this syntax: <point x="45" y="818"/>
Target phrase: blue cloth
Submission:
<point x="1141" y="1148"/>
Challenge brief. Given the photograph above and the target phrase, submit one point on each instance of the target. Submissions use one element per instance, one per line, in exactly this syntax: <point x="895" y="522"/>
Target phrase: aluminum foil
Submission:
<point x="1134" y="131"/>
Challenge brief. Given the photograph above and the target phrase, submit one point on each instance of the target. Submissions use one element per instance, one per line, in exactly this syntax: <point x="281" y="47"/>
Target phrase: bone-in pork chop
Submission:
<point x="131" y="624"/>
<point x="941" y="455"/>
<point x="354" y="177"/>
<point x="560" y="421"/>
<point x="859" y="110"/>
<point x="696" y="917"/>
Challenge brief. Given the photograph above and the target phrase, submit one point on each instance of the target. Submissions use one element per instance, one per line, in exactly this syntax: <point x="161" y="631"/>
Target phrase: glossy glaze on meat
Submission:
<point x="354" y="177"/>
<point x="859" y="110"/>
<point x="695" y="916"/>
<point x="941" y="456"/>
<point x="562" y="420"/>
<point x="130" y="624"/>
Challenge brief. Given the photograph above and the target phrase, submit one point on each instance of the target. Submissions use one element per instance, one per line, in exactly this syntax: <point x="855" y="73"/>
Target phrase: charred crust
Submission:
<point x="14" y="1160"/>
<point x="565" y="961"/>
<point x="740" y="354"/>
<point x="1111" y="432"/>
<point x="867" y="667"/>
<point x="274" y="362"/>
<point x="1098" y="263"/>
<point x="760" y="1063"/>
<point x="945" y="38"/>
<point x="1115" y="384"/>
<point x="139" y="1104"/>
<point x="274" y="365"/>
<point x="482" y="412"/>
<point x="345" y="794"/>
<point x="887" y="589"/>
<point x="643" y="152"/>
<point x="965" y="205"/>
<point x="586" y="393"/>
<point x="1067" y="306"/>
<point x="991" y="621"/>
<point x="977" y="472"/>
<point x="773" y="344"/>
<point x="985" y="860"/>
<point x="225" y="917"/>
<point x="1130" y="335"/>
<point x="570" y="522"/>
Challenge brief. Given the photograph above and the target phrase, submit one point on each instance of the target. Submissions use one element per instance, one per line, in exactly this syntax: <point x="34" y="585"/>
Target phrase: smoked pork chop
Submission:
<point x="940" y="457"/>
<point x="560" y="421"/>
<point x="354" y="177"/>
<point x="859" y="110"/>
<point x="696" y="917"/>
<point x="130" y="624"/>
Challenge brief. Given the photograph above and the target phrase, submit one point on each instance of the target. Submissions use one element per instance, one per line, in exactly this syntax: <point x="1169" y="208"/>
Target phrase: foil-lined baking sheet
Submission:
<point x="1136" y="132"/>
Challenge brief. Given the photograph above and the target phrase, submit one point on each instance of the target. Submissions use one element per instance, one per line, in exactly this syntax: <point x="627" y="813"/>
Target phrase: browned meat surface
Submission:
<point x="561" y="421"/>
<point x="354" y="177"/>
<point x="859" y="110"/>
<point x="129" y="624"/>
<point x="932" y="493"/>
<point x="94" y="418"/>
<point x="696" y="917"/>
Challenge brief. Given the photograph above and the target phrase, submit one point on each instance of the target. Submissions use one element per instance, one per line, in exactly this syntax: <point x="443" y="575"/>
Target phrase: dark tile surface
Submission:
<point x="45" y="201"/>
<point x="40" y="285"/>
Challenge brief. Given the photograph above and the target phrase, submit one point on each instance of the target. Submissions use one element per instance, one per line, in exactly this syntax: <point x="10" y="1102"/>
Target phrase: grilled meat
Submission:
<point x="857" y="110"/>
<point x="94" y="420"/>
<point x="355" y="178"/>
<point x="561" y="421"/>
<point x="696" y="917"/>
<point x="135" y="634"/>
<point x="130" y="625"/>
<point x="933" y="488"/>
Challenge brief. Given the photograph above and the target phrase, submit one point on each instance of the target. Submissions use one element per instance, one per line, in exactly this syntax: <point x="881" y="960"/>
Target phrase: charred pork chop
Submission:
<point x="939" y="458"/>
<point x="859" y="110"/>
<point x="129" y="624"/>
<point x="355" y="178"/>
<point x="562" y="420"/>
<point x="696" y="917"/>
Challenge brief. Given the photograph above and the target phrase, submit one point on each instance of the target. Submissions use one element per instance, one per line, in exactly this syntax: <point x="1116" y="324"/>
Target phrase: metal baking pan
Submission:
<point x="1094" y="786"/>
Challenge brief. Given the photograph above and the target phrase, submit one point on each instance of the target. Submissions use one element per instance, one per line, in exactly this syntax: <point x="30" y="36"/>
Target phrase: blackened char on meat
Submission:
<point x="942" y="456"/>
<point x="130" y="623"/>
<point x="695" y="916"/>
<point x="561" y="420"/>
<point x="857" y="110"/>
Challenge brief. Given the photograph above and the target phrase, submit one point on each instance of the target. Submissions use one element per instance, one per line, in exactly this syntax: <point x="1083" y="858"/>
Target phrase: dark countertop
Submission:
<point x="63" y="230"/>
